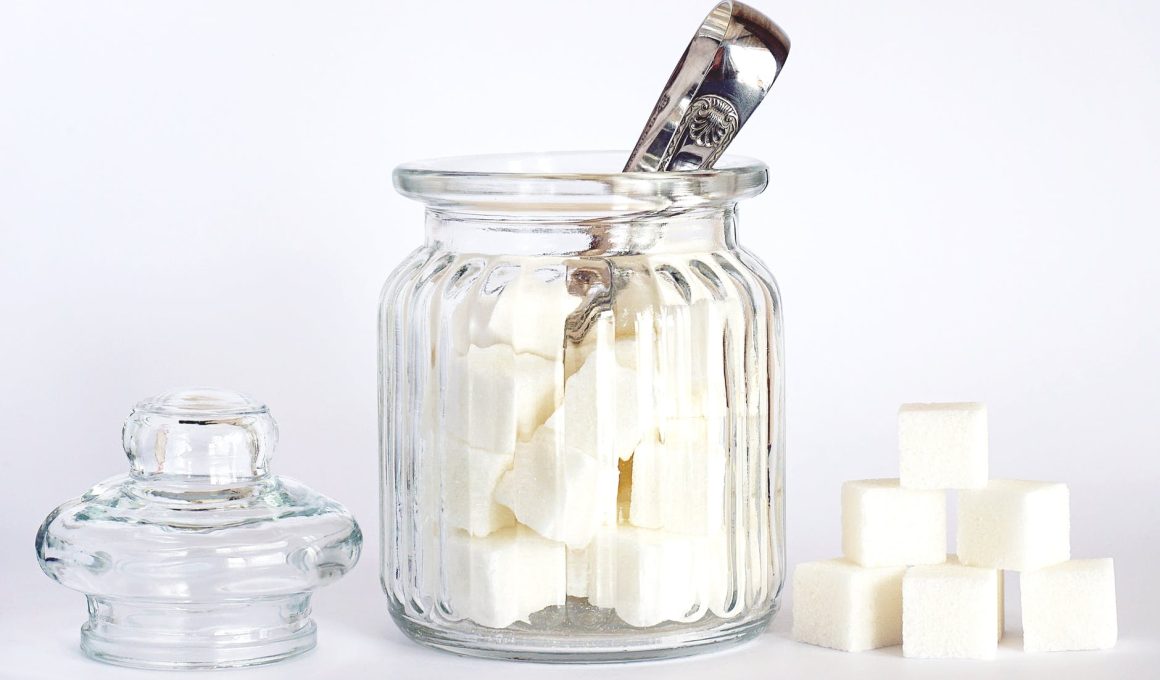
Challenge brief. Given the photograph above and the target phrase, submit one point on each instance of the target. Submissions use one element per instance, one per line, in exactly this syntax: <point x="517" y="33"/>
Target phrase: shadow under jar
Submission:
<point x="581" y="412"/>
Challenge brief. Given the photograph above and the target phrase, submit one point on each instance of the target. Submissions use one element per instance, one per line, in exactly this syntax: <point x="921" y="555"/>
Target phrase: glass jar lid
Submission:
<point x="199" y="557"/>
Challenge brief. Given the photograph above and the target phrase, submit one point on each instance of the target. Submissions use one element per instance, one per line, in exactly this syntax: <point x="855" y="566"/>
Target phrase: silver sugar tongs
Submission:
<point x="723" y="75"/>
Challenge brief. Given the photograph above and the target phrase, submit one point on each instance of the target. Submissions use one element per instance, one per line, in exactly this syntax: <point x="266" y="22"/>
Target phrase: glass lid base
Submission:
<point x="168" y="635"/>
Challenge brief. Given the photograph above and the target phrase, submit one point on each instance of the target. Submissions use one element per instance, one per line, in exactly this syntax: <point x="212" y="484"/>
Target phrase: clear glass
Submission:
<point x="581" y="412"/>
<point x="199" y="557"/>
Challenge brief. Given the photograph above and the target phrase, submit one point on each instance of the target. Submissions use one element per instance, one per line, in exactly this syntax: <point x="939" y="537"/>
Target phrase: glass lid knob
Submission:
<point x="200" y="435"/>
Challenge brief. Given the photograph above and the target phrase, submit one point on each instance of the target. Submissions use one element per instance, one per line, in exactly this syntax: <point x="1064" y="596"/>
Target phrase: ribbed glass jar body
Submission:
<point x="581" y="416"/>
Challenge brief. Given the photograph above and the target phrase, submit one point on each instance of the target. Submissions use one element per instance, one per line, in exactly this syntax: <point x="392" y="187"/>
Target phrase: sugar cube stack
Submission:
<point x="951" y="606"/>
<point x="563" y="482"/>
<point x="553" y="470"/>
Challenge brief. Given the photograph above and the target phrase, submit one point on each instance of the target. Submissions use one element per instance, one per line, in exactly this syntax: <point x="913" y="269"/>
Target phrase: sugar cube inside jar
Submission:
<point x="581" y="412"/>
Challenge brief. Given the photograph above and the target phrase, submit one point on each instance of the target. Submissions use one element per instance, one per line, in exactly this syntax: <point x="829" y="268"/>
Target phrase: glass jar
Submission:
<point x="581" y="412"/>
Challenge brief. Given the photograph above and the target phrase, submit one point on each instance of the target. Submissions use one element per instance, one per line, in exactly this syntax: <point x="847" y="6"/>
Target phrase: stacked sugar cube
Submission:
<point x="558" y="474"/>
<point x="896" y="584"/>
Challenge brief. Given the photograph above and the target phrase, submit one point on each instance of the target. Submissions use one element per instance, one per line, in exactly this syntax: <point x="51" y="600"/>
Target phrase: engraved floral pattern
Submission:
<point x="712" y="121"/>
<point x="709" y="123"/>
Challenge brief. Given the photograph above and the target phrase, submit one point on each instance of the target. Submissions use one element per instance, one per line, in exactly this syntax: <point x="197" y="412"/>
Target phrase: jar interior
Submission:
<point x="582" y="454"/>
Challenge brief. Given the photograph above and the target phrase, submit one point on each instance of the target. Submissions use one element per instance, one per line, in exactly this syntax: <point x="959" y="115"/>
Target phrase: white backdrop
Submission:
<point x="962" y="207"/>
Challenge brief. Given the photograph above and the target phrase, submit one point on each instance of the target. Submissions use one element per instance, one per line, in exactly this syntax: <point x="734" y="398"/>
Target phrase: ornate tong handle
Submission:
<point x="723" y="75"/>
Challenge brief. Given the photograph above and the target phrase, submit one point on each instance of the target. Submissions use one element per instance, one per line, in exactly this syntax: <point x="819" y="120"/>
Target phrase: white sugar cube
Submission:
<point x="1001" y="605"/>
<point x="1016" y="525"/>
<point x="678" y="484"/>
<point x="1069" y="606"/>
<point x="530" y="310"/>
<point x="637" y="297"/>
<point x="691" y="356"/>
<point x="502" y="578"/>
<point x="495" y="397"/>
<point x="636" y="358"/>
<point x="647" y="576"/>
<point x="629" y="354"/>
<point x="698" y="343"/>
<point x="711" y="588"/>
<point x="942" y="446"/>
<point x="949" y="611"/>
<point x="721" y="591"/>
<point x="560" y="490"/>
<point x="462" y="322"/>
<point x="601" y="411"/>
<point x="841" y="605"/>
<point x="564" y="481"/>
<point x="469" y="477"/>
<point x="885" y="525"/>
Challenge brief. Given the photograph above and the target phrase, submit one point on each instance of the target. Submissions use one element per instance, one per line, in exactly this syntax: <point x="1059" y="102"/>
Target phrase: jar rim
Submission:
<point x="571" y="181"/>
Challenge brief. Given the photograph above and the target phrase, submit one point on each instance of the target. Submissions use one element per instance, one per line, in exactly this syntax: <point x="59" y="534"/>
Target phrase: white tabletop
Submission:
<point x="39" y="636"/>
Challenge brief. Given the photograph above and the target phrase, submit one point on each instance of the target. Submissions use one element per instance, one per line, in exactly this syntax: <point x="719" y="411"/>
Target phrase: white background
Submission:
<point x="963" y="206"/>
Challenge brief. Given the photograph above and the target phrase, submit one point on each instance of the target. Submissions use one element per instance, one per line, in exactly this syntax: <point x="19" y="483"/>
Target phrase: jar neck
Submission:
<point x="692" y="230"/>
